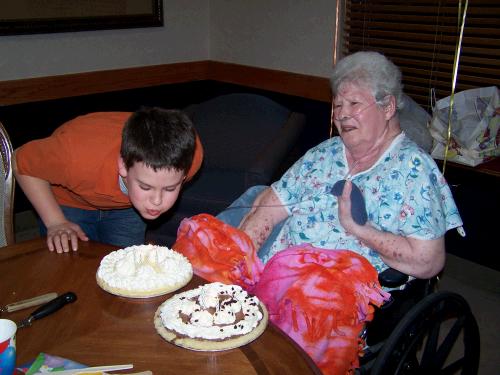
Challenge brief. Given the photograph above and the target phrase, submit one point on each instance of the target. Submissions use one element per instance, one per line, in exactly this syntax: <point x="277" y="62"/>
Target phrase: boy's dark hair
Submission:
<point x="160" y="138"/>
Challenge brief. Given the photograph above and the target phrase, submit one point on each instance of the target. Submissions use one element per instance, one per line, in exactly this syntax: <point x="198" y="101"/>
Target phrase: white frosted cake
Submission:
<point x="143" y="271"/>
<point x="211" y="317"/>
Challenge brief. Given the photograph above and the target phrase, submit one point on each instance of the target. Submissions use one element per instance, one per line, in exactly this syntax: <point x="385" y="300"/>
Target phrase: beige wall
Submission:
<point x="184" y="37"/>
<point x="289" y="35"/>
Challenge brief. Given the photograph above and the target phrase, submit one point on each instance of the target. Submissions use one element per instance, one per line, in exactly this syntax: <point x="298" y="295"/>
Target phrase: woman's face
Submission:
<point x="359" y="120"/>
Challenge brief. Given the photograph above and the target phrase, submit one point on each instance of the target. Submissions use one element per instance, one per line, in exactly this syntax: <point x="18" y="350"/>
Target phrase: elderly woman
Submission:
<point x="409" y="204"/>
<point x="386" y="178"/>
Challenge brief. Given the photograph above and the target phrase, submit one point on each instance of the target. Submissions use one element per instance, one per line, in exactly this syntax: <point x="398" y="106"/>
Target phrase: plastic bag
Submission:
<point x="414" y="120"/>
<point x="474" y="127"/>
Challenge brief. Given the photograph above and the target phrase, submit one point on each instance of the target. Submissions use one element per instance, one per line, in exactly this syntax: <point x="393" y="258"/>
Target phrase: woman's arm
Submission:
<point x="418" y="258"/>
<point x="267" y="211"/>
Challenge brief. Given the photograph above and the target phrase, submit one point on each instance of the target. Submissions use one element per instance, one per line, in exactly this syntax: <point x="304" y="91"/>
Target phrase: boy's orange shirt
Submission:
<point x="80" y="160"/>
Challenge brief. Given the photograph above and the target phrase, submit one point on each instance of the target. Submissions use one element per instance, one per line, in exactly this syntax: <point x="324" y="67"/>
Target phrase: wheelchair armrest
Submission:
<point x="391" y="278"/>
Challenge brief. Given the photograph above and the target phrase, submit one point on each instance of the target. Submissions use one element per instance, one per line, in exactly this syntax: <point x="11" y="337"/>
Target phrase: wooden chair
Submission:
<point x="7" y="184"/>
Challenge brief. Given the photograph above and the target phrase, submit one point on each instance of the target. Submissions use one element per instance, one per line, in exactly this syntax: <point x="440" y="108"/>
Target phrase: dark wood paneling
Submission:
<point x="306" y="86"/>
<point x="69" y="85"/>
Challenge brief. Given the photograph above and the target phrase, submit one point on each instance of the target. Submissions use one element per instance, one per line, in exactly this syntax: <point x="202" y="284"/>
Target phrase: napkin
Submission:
<point x="47" y="363"/>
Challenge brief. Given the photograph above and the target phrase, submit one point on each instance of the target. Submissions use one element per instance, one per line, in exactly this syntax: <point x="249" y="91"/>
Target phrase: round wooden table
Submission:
<point x="103" y="329"/>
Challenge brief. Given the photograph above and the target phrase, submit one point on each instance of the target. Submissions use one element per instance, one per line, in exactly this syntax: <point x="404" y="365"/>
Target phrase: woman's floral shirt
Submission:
<point x="405" y="194"/>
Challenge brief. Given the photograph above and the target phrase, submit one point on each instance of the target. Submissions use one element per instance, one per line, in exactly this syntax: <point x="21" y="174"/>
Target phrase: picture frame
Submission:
<point x="55" y="16"/>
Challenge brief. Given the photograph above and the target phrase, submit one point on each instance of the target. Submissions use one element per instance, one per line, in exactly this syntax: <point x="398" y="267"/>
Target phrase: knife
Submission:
<point x="30" y="302"/>
<point x="48" y="308"/>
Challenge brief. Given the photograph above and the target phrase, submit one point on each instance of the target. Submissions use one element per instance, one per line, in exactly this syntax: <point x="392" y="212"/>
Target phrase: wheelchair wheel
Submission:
<point x="439" y="335"/>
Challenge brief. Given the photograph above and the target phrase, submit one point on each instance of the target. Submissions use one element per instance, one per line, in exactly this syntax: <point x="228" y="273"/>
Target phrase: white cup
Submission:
<point x="7" y="346"/>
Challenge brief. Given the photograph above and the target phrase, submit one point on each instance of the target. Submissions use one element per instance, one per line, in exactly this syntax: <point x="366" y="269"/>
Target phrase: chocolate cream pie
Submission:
<point x="211" y="317"/>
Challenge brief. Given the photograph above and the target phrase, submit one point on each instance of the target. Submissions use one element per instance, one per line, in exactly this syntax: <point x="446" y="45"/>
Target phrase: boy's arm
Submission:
<point x="60" y="231"/>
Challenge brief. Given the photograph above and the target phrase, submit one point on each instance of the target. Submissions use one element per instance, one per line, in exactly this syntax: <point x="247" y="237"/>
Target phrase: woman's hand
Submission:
<point x="345" y="209"/>
<point x="60" y="236"/>
<point x="414" y="257"/>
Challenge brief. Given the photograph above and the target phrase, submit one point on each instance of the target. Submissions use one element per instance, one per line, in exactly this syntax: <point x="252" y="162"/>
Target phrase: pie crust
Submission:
<point x="142" y="293"/>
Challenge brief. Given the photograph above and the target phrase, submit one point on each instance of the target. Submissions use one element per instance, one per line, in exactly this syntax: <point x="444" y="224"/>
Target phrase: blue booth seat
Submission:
<point x="246" y="139"/>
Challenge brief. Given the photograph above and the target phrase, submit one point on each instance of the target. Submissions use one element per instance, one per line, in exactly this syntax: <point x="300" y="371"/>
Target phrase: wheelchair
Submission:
<point x="420" y="331"/>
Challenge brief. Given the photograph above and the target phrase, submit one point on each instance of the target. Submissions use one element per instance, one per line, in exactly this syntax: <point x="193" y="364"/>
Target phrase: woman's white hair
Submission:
<point x="370" y="69"/>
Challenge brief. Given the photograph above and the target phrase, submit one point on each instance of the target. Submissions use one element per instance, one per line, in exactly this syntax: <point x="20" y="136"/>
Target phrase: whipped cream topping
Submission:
<point x="212" y="311"/>
<point x="144" y="268"/>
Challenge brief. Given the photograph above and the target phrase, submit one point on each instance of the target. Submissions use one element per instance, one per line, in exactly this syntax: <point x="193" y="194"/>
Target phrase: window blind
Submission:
<point x="421" y="38"/>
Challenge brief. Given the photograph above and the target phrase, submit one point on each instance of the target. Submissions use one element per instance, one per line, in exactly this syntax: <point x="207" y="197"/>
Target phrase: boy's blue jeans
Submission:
<point x="240" y="207"/>
<point x="124" y="227"/>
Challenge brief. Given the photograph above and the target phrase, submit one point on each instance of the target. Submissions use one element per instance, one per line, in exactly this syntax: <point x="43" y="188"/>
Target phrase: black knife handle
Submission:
<point x="53" y="305"/>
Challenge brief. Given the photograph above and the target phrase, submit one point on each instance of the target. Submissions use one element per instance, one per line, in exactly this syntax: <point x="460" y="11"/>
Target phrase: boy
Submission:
<point x="97" y="176"/>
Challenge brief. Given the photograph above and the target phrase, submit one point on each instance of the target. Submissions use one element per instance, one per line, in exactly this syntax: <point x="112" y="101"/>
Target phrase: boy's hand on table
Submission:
<point x="62" y="237"/>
